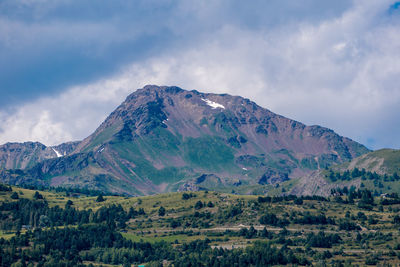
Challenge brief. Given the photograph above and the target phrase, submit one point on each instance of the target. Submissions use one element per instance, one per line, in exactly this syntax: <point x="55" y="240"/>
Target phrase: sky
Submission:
<point x="65" y="65"/>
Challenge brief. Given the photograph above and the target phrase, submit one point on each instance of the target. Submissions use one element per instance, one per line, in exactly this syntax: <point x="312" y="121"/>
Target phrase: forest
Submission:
<point x="56" y="228"/>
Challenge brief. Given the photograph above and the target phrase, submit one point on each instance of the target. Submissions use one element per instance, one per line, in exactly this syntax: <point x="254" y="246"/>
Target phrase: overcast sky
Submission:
<point x="65" y="65"/>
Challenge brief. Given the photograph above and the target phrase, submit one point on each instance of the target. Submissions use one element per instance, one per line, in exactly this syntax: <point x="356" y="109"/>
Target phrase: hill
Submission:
<point x="383" y="161"/>
<point x="377" y="171"/>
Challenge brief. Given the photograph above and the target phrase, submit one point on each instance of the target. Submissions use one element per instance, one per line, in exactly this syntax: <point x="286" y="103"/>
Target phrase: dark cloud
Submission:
<point x="47" y="46"/>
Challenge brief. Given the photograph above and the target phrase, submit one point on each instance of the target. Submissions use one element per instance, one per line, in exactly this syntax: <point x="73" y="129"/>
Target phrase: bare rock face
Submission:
<point x="164" y="138"/>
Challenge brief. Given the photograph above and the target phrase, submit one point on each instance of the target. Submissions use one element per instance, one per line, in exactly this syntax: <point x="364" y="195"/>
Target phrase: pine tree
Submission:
<point x="100" y="198"/>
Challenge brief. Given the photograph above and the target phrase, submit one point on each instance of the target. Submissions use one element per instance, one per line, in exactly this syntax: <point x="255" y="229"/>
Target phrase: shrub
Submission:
<point x="198" y="205"/>
<point x="37" y="195"/>
<point x="161" y="211"/>
<point x="348" y="225"/>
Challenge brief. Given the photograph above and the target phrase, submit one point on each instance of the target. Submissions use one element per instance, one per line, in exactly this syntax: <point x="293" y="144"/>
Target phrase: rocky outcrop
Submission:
<point x="203" y="182"/>
<point x="273" y="177"/>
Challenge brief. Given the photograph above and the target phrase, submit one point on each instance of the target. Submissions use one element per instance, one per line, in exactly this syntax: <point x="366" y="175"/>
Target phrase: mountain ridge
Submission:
<point x="24" y="155"/>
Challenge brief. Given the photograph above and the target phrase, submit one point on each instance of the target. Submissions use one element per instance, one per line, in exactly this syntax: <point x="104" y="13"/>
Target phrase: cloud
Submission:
<point x="69" y="116"/>
<point x="339" y="70"/>
<point x="52" y="45"/>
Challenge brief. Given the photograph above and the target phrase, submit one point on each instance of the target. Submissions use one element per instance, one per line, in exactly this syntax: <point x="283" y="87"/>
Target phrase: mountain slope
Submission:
<point x="383" y="161"/>
<point x="28" y="154"/>
<point x="166" y="138"/>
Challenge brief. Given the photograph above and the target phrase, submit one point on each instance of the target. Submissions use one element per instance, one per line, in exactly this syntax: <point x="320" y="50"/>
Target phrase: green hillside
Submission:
<point x="205" y="228"/>
<point x="383" y="161"/>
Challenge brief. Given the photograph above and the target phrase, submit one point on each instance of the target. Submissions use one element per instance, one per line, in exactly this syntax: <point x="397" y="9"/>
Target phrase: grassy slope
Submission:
<point x="391" y="159"/>
<point x="172" y="202"/>
<point x="149" y="203"/>
<point x="154" y="228"/>
<point x="381" y="161"/>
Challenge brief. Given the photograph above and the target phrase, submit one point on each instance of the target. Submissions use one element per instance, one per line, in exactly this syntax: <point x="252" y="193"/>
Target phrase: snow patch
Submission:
<point x="212" y="104"/>
<point x="244" y="169"/>
<point x="57" y="153"/>
<point x="101" y="150"/>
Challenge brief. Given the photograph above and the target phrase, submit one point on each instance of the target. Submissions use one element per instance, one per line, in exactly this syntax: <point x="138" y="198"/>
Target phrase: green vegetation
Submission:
<point x="382" y="161"/>
<point x="326" y="160"/>
<point x="309" y="163"/>
<point x="208" y="152"/>
<point x="377" y="183"/>
<point x="131" y="152"/>
<point x="391" y="158"/>
<point x="100" y="198"/>
<point x="104" y="136"/>
<point x="50" y="228"/>
<point x="363" y="174"/>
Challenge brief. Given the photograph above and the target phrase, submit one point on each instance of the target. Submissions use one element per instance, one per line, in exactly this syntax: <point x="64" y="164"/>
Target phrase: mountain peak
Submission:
<point x="154" y="91"/>
<point x="168" y="89"/>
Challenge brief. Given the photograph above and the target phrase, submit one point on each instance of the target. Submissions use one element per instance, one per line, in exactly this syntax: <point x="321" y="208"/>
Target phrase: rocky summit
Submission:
<point x="164" y="138"/>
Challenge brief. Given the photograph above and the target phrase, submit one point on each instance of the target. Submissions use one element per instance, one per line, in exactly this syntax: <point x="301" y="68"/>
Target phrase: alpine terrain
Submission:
<point x="165" y="138"/>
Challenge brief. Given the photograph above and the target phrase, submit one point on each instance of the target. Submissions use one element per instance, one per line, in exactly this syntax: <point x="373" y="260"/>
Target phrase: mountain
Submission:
<point x="25" y="155"/>
<point x="167" y="139"/>
<point x="28" y="154"/>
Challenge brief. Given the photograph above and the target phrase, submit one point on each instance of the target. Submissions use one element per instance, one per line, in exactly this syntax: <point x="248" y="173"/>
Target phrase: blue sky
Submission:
<point x="65" y="65"/>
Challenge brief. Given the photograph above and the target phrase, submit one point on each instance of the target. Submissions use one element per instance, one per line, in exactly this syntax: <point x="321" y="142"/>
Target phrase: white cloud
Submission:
<point x="343" y="73"/>
<point x="339" y="46"/>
